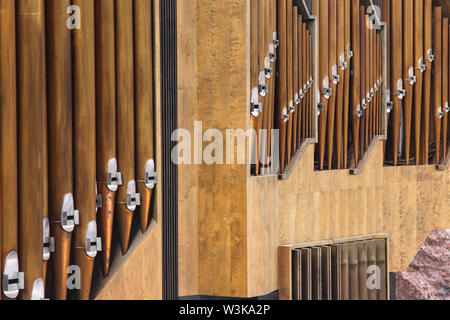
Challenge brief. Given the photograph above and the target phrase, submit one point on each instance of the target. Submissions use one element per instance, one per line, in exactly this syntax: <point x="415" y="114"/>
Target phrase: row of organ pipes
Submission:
<point x="381" y="71"/>
<point x="77" y="139"/>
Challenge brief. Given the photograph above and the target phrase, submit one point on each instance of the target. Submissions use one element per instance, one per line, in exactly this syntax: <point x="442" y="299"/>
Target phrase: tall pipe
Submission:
<point x="83" y="50"/>
<point x="59" y="81"/>
<point x="145" y="135"/>
<point x="105" y="81"/>
<point x="32" y="143"/>
<point x="8" y="133"/>
<point x="125" y="118"/>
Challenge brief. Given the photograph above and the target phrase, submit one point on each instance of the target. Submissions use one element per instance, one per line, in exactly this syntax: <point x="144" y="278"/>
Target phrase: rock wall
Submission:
<point x="428" y="276"/>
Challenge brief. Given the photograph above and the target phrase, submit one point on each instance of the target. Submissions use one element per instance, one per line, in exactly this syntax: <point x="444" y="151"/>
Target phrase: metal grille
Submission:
<point x="342" y="271"/>
<point x="169" y="125"/>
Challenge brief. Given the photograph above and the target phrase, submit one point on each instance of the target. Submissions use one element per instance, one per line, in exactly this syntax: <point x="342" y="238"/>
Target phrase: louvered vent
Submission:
<point x="345" y="269"/>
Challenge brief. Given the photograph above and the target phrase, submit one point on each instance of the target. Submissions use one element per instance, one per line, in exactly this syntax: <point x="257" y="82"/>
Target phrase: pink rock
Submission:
<point x="428" y="276"/>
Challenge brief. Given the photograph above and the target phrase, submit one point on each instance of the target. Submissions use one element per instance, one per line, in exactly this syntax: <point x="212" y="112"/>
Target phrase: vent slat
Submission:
<point x="381" y="263"/>
<point x="336" y="272"/>
<point x="353" y="271"/>
<point x="362" y="269"/>
<point x="316" y="266"/>
<point x="371" y="261"/>
<point x="297" y="275"/>
<point x="327" y="284"/>
<point x="344" y="273"/>
<point x="306" y="274"/>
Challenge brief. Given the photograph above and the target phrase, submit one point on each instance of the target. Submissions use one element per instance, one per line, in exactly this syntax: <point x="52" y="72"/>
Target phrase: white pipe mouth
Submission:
<point x="38" y="291"/>
<point x="93" y="244"/>
<point x="69" y="216"/>
<point x="133" y="198"/>
<point x="151" y="175"/>
<point x="114" y="177"/>
<point x="13" y="280"/>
